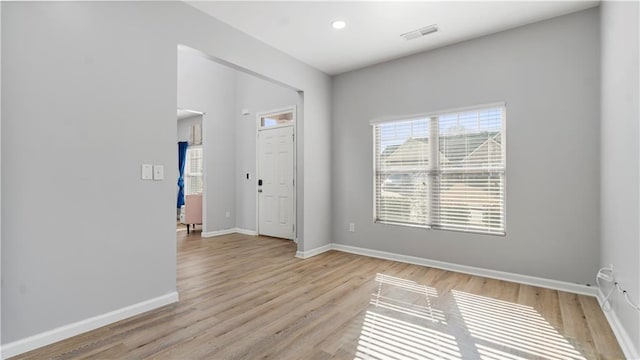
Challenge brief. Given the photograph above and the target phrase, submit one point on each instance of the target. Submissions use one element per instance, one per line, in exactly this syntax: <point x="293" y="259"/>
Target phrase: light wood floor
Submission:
<point x="244" y="297"/>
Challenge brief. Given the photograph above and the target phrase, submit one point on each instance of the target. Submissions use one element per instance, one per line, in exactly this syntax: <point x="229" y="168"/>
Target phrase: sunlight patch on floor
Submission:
<point x="518" y="328"/>
<point x="392" y="329"/>
<point x="402" y="323"/>
<point x="489" y="353"/>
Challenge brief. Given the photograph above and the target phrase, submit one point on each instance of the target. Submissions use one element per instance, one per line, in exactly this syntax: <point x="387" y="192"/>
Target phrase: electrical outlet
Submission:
<point x="352" y="227"/>
<point x="228" y="214"/>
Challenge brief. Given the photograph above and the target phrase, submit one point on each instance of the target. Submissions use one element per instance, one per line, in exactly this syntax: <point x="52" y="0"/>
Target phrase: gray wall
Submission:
<point x="547" y="73"/>
<point x="207" y="86"/>
<point x="620" y="195"/>
<point x="86" y="235"/>
<point x="89" y="94"/>
<point x="184" y="126"/>
<point x="256" y="95"/>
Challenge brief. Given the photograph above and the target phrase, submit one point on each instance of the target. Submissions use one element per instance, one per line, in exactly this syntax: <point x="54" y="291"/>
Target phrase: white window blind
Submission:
<point x="193" y="170"/>
<point x="402" y="165"/>
<point x="444" y="171"/>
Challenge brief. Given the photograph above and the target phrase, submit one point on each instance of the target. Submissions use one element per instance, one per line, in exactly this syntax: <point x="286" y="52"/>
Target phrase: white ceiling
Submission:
<point x="372" y="35"/>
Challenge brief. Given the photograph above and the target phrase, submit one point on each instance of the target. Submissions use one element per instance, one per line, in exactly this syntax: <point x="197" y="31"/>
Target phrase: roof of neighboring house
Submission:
<point x="488" y="153"/>
<point x="457" y="148"/>
<point x="414" y="151"/>
<point x="389" y="150"/>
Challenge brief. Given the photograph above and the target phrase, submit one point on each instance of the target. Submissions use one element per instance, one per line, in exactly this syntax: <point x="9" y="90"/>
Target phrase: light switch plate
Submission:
<point x="158" y="172"/>
<point x="147" y="172"/>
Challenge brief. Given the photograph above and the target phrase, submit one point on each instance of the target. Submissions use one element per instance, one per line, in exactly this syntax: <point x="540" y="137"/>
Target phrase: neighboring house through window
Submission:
<point x="445" y="171"/>
<point x="193" y="170"/>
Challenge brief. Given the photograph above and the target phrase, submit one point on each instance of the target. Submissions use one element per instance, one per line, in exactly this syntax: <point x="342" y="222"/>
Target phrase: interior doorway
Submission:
<point x="232" y="97"/>
<point x="275" y="160"/>
<point x="190" y="182"/>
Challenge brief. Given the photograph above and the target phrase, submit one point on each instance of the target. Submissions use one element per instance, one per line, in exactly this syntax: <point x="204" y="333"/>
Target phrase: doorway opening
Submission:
<point x="233" y="98"/>
<point x="190" y="182"/>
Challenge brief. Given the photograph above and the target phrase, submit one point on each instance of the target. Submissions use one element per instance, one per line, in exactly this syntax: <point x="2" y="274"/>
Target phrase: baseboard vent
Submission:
<point x="419" y="32"/>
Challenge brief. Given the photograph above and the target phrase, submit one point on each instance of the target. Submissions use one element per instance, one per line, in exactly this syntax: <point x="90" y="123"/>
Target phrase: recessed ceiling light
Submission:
<point x="338" y="24"/>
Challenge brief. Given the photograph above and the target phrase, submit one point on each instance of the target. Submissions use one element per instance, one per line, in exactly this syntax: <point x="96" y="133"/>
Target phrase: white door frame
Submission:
<point x="293" y="109"/>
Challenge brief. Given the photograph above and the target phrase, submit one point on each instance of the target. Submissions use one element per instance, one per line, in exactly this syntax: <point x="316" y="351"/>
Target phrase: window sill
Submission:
<point x="430" y="227"/>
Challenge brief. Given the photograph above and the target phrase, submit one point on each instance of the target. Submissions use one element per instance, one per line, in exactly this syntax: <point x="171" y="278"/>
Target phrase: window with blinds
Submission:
<point x="193" y="170"/>
<point x="445" y="171"/>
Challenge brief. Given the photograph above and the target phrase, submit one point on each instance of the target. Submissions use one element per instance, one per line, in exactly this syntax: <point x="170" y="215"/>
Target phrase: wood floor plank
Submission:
<point x="605" y="342"/>
<point x="245" y="297"/>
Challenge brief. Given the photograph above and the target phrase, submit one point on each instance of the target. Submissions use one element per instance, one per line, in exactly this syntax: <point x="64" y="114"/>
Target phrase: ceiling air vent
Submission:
<point x="420" y="32"/>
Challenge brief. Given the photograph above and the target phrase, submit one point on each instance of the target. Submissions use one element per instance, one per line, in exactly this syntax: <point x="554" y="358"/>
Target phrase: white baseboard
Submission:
<point x="228" y="231"/>
<point x="313" y="252"/>
<point x="64" y="332"/>
<point x="217" y="233"/>
<point x="494" y="274"/>
<point x="245" y="231"/>
<point x="628" y="348"/>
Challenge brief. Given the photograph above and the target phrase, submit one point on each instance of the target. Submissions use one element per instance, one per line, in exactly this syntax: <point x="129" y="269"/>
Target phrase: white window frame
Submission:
<point x="276" y="112"/>
<point x="434" y="165"/>
<point x="188" y="173"/>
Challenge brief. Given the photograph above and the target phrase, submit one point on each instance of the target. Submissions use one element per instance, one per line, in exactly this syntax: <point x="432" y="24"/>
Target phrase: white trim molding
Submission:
<point x="488" y="273"/>
<point x="246" y="232"/>
<point x="313" y="252"/>
<point x="627" y="346"/>
<point x="208" y="234"/>
<point x="64" y="332"/>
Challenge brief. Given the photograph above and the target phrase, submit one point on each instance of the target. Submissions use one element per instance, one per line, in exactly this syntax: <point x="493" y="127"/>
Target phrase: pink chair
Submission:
<point x="192" y="210"/>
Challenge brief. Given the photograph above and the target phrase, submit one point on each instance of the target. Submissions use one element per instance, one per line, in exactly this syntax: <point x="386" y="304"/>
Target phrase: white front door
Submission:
<point x="275" y="173"/>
